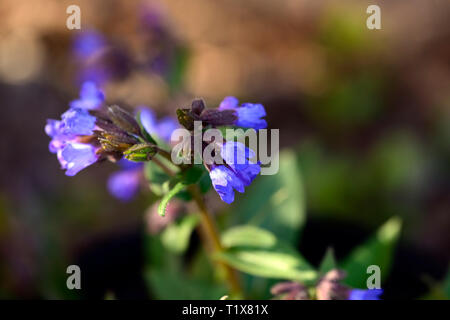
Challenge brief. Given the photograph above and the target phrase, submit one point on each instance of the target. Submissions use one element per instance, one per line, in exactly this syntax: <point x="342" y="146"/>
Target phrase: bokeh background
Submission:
<point x="364" y="113"/>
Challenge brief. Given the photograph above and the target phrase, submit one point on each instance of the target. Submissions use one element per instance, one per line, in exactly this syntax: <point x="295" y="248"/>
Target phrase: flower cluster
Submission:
<point x="236" y="170"/>
<point x="91" y="131"/>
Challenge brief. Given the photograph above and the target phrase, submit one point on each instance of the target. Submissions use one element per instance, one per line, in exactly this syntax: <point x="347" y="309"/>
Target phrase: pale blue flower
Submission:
<point x="237" y="173"/>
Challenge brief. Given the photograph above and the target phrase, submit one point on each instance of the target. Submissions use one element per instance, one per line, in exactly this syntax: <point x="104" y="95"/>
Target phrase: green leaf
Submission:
<point x="276" y="202"/>
<point x="258" y="252"/>
<point x="378" y="250"/>
<point x="193" y="174"/>
<point x="176" y="236"/>
<point x="268" y="264"/>
<point x="328" y="262"/>
<point x="168" y="196"/>
<point x="249" y="236"/>
<point x="168" y="284"/>
<point x="157" y="178"/>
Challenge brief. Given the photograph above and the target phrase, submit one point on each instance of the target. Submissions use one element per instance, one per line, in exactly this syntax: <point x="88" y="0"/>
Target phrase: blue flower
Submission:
<point x="124" y="184"/>
<point x="370" y="294"/>
<point x="90" y="97"/>
<point x="237" y="173"/>
<point x="248" y="114"/>
<point x="77" y="156"/>
<point x="162" y="128"/>
<point x="87" y="43"/>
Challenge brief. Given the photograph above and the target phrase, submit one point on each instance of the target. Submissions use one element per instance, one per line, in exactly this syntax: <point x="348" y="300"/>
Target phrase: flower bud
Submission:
<point x="198" y="106"/>
<point x="123" y="120"/>
<point x="140" y="152"/>
<point x="217" y="117"/>
<point x="186" y="118"/>
<point x="115" y="141"/>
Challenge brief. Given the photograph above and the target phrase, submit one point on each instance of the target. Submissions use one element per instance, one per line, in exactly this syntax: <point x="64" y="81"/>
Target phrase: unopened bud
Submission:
<point x="185" y="118"/>
<point x="198" y="106"/>
<point x="115" y="141"/>
<point x="219" y="117"/>
<point x="140" y="152"/>
<point x="123" y="120"/>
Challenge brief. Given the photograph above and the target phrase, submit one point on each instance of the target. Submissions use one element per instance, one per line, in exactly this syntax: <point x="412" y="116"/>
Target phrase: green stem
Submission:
<point x="212" y="241"/>
<point x="209" y="232"/>
<point x="165" y="154"/>
<point x="165" y="168"/>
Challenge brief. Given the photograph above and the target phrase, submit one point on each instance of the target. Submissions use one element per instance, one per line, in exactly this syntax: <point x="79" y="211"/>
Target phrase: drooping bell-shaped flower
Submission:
<point x="236" y="173"/>
<point x="71" y="153"/>
<point x="77" y="156"/>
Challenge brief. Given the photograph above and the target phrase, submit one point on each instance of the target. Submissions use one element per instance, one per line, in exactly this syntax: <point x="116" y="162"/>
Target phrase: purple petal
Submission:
<point x="370" y="294"/>
<point x="247" y="172"/>
<point x="148" y="120"/>
<point x="91" y="97"/>
<point x="249" y="116"/>
<point x="77" y="122"/>
<point x="124" y="184"/>
<point x="129" y="165"/>
<point x="87" y="43"/>
<point x="77" y="156"/>
<point x="165" y="128"/>
<point x="222" y="181"/>
<point x="53" y="127"/>
<point x="229" y="103"/>
<point x="236" y="153"/>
